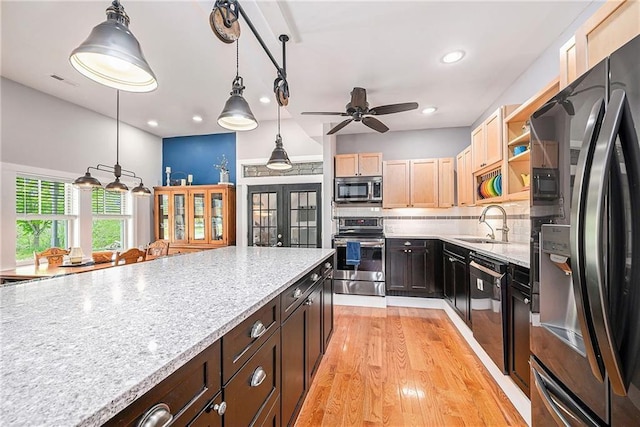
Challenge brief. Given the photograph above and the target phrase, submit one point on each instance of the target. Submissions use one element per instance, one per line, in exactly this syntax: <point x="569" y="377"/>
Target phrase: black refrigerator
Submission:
<point x="585" y="248"/>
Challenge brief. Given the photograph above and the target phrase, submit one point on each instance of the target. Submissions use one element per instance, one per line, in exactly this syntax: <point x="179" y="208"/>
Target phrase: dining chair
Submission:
<point x="131" y="256"/>
<point x="157" y="249"/>
<point x="53" y="255"/>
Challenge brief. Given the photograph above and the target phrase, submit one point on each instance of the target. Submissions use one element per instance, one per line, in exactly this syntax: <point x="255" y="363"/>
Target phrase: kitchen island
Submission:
<point x="78" y="349"/>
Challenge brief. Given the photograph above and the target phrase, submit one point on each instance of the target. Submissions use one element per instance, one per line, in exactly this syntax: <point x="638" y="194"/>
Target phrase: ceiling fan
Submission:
<point x="359" y="111"/>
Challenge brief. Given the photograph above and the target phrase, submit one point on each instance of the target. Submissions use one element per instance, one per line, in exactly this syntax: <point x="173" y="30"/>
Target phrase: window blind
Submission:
<point x="109" y="202"/>
<point x="35" y="196"/>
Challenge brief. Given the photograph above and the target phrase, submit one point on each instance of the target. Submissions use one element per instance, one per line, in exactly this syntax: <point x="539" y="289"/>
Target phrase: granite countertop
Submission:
<point x="517" y="253"/>
<point x="76" y="350"/>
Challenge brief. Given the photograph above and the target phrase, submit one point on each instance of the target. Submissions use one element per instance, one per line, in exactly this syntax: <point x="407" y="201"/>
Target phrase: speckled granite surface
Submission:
<point x="517" y="253"/>
<point x="76" y="350"/>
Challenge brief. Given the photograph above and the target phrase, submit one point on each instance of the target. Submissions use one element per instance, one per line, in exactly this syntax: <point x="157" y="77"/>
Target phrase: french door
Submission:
<point x="285" y="215"/>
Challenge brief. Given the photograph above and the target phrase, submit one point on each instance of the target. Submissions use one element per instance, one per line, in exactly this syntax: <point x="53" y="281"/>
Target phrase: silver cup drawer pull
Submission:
<point x="258" y="329"/>
<point x="157" y="416"/>
<point x="297" y="293"/>
<point x="259" y="375"/>
<point x="315" y="277"/>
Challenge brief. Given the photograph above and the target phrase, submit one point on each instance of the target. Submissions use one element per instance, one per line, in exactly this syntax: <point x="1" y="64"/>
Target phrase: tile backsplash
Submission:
<point x="456" y="220"/>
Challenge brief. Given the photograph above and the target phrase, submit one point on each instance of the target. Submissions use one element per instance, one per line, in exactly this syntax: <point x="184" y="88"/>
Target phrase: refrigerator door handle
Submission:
<point x="583" y="303"/>
<point x="617" y="122"/>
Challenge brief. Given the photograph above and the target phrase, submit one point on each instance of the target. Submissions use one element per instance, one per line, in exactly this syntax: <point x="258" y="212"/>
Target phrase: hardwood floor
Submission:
<point x="402" y="367"/>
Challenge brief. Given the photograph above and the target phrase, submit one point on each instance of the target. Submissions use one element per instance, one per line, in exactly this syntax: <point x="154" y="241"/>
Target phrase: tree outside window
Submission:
<point x="110" y="217"/>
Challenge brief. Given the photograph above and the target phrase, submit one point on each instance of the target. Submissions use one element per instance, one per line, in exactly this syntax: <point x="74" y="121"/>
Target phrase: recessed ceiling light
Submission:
<point x="429" y="110"/>
<point x="452" y="57"/>
<point x="265" y="99"/>
<point x="152" y="123"/>
<point x="197" y="119"/>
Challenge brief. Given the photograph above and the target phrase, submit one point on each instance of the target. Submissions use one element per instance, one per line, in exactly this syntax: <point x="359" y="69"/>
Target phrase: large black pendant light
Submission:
<point x="236" y="114"/>
<point x="112" y="56"/>
<point x="87" y="181"/>
<point x="279" y="159"/>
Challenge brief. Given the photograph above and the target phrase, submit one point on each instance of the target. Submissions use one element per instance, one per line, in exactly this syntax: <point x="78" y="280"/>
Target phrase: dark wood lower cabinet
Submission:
<point x="327" y="314"/>
<point x="411" y="268"/>
<point x="209" y="417"/>
<point x="455" y="277"/>
<point x="303" y="340"/>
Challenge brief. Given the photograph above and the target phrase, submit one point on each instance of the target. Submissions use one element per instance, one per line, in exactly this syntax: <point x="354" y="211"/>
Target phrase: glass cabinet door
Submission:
<point x="217" y="207"/>
<point x="179" y="217"/>
<point x="198" y="217"/>
<point x="162" y="201"/>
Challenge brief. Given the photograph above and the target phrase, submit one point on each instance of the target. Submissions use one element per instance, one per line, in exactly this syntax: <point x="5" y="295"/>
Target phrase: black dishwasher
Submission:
<point x="519" y="291"/>
<point x="488" y="278"/>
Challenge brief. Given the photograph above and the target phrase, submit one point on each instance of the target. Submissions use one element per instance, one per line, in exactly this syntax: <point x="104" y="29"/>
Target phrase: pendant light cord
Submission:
<point x="237" y="58"/>
<point x="278" y="119"/>
<point x="117" y="127"/>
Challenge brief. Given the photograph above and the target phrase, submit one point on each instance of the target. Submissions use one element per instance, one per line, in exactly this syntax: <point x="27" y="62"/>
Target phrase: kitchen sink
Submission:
<point x="481" y="240"/>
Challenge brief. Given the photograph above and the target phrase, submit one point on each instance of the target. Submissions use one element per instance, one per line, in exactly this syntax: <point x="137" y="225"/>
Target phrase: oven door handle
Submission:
<point x="362" y="244"/>
<point x="486" y="270"/>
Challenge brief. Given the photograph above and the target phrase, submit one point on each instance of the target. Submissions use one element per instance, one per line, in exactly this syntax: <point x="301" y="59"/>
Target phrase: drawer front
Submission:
<point x="415" y="243"/>
<point x="297" y="293"/>
<point x="461" y="252"/>
<point x="209" y="416"/>
<point x="270" y="418"/>
<point x="185" y="391"/>
<point x="255" y="387"/>
<point x="242" y="342"/>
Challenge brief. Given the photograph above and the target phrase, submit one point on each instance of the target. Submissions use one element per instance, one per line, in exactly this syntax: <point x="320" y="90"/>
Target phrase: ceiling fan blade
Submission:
<point x="375" y="124"/>
<point x="339" y="126"/>
<point x="323" y="113"/>
<point x="359" y="98"/>
<point x="393" y="108"/>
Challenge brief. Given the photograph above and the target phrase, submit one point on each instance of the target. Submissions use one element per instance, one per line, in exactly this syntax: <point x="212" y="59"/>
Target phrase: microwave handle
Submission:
<point x="370" y="190"/>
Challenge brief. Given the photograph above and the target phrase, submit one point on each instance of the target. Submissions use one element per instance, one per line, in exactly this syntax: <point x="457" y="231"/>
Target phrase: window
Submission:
<point x="110" y="218"/>
<point x="44" y="209"/>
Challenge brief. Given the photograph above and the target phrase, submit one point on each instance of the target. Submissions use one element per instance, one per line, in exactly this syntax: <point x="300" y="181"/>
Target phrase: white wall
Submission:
<point x="255" y="147"/>
<point x="45" y="135"/>
<point x="542" y="71"/>
<point x="409" y="144"/>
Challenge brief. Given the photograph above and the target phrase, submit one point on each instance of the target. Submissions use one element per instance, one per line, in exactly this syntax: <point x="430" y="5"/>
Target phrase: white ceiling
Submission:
<point x="391" y="48"/>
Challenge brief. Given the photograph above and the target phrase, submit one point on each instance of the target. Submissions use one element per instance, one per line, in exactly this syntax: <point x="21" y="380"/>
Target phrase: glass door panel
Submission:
<point x="303" y="231"/>
<point x="264" y="219"/>
<point x="163" y="216"/>
<point x="179" y="217"/>
<point x="198" y="216"/>
<point x="217" y="216"/>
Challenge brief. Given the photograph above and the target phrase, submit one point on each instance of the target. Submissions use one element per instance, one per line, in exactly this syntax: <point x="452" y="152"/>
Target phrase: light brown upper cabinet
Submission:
<point x="486" y="141"/>
<point x="418" y="183"/>
<point x="613" y="25"/>
<point x="568" y="70"/>
<point x="465" y="177"/>
<point x="358" y="164"/>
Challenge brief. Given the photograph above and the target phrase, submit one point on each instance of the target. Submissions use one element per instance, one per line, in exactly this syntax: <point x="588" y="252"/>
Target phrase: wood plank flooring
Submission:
<point x="402" y="367"/>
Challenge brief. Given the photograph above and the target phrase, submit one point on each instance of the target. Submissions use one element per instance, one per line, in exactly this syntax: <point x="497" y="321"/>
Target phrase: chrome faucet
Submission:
<point x="504" y="229"/>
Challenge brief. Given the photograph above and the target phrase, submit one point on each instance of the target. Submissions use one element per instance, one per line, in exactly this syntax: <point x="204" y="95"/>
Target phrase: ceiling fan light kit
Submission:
<point x="112" y="56"/>
<point x="358" y="109"/>
<point x="87" y="181"/>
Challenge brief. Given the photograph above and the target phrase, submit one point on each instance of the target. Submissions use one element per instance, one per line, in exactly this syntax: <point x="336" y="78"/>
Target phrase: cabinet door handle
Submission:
<point x="409" y="250"/>
<point x="157" y="416"/>
<point x="219" y="408"/>
<point x="308" y="302"/>
<point x="258" y="376"/>
<point x="258" y="329"/>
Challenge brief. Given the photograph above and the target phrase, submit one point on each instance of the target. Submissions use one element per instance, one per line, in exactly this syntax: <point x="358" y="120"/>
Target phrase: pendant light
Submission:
<point x="236" y="114"/>
<point x="87" y="181"/>
<point x="112" y="56"/>
<point x="279" y="159"/>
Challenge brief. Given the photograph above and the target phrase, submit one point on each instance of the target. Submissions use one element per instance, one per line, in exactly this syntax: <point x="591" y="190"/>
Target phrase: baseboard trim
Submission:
<point x="519" y="400"/>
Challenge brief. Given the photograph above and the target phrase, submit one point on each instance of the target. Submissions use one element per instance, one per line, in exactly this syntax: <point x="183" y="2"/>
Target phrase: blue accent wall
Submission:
<point x="197" y="154"/>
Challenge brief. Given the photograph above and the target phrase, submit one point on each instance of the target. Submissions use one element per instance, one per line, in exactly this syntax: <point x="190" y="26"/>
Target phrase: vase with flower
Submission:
<point x="223" y="167"/>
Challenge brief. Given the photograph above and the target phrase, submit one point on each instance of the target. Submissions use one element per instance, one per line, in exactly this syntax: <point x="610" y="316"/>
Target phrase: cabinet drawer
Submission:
<point x="209" y="416"/>
<point x="297" y="293"/>
<point x="185" y="391"/>
<point x="256" y="386"/>
<point x="240" y="344"/>
<point x="457" y="250"/>
<point x="416" y="243"/>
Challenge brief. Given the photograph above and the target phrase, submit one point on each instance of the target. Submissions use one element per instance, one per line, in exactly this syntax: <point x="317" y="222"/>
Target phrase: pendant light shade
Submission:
<point x="87" y="181"/>
<point x="141" y="190"/>
<point x="236" y="114"/>
<point x="112" y="56"/>
<point x="279" y="159"/>
<point x="117" y="186"/>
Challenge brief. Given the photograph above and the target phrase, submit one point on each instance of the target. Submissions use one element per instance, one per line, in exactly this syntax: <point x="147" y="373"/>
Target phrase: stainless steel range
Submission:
<point x="367" y="278"/>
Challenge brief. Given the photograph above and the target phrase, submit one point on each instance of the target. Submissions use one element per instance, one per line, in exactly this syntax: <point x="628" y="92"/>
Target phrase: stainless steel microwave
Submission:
<point x="366" y="189"/>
